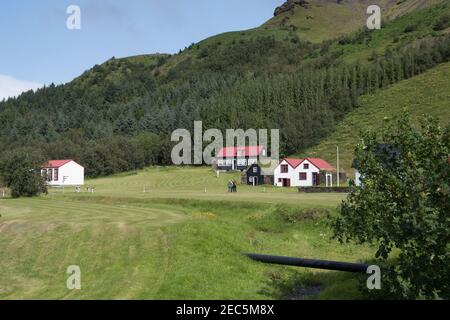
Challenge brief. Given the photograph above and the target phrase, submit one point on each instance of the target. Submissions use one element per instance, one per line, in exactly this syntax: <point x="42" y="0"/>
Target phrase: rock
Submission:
<point x="290" y="5"/>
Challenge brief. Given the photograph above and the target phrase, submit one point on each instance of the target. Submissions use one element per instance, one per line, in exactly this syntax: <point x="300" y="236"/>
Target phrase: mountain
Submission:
<point x="119" y="115"/>
<point x="327" y="19"/>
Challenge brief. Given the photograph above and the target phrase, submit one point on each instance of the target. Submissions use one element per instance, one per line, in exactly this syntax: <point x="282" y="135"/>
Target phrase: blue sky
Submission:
<point x="37" y="48"/>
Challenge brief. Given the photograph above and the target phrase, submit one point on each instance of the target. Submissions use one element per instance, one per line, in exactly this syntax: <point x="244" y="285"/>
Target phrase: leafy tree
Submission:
<point x="403" y="206"/>
<point x="19" y="170"/>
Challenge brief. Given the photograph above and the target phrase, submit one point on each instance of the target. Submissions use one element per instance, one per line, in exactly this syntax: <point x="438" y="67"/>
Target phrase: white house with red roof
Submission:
<point x="63" y="173"/>
<point x="238" y="158"/>
<point x="307" y="172"/>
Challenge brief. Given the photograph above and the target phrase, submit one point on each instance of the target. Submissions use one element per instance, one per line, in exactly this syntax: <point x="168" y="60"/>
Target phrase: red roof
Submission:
<point x="250" y="151"/>
<point x="317" y="162"/>
<point x="294" y="163"/>
<point x="321" y="164"/>
<point x="55" y="163"/>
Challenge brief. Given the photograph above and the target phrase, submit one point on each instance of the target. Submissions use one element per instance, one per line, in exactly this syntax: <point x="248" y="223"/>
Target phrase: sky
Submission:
<point x="38" y="49"/>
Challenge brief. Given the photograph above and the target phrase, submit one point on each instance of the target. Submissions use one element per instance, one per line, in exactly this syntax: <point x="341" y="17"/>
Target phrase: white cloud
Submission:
<point x="10" y="87"/>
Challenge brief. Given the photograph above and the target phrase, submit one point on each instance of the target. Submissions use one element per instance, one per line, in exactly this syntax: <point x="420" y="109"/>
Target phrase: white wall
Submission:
<point x="357" y="178"/>
<point x="309" y="174"/>
<point x="73" y="172"/>
<point x="278" y="175"/>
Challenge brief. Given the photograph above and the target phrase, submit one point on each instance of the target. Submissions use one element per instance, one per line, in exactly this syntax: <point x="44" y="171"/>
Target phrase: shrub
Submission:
<point x="404" y="204"/>
<point x="20" y="171"/>
<point x="442" y="23"/>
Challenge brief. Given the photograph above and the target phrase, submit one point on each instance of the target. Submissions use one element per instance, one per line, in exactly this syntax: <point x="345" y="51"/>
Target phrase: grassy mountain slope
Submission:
<point x="319" y="20"/>
<point x="333" y="20"/>
<point x="426" y="94"/>
<point x="242" y="51"/>
<point x="230" y="51"/>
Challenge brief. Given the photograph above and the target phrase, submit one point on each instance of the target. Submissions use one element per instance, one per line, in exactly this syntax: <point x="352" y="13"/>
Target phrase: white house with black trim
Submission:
<point x="238" y="158"/>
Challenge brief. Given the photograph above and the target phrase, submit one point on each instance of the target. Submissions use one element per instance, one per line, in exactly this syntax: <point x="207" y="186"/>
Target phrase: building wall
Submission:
<point x="73" y="172"/>
<point x="309" y="174"/>
<point x="254" y="171"/>
<point x="241" y="163"/>
<point x="294" y="175"/>
<point x="279" y="175"/>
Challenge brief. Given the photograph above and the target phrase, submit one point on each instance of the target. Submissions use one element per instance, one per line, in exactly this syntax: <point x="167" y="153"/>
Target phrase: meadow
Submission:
<point x="171" y="233"/>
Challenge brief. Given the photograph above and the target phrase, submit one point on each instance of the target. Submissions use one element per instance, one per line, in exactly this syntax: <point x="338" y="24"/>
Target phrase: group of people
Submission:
<point x="232" y="186"/>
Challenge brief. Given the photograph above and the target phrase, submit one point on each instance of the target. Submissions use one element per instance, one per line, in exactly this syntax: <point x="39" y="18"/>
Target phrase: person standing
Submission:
<point x="230" y="186"/>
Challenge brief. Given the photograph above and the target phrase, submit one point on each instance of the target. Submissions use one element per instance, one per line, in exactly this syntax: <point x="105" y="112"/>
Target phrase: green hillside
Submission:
<point x="119" y="115"/>
<point x="426" y="94"/>
<point x="321" y="20"/>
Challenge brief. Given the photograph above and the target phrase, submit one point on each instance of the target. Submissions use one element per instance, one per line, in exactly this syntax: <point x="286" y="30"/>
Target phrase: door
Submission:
<point x="316" y="179"/>
<point x="286" y="183"/>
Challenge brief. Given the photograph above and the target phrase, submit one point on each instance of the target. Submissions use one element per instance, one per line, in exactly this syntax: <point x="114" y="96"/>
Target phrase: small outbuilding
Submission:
<point x="258" y="174"/>
<point x="61" y="173"/>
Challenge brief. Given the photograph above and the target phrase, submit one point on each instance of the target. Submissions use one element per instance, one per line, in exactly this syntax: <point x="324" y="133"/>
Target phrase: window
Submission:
<point x="242" y="162"/>
<point x="306" y="166"/>
<point x="284" y="168"/>
<point x="49" y="174"/>
<point x="280" y="180"/>
<point x="255" y="169"/>
<point x="303" y="176"/>
<point x="56" y="174"/>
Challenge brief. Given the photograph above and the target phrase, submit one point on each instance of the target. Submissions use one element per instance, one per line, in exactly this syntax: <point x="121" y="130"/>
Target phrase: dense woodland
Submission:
<point x="118" y="116"/>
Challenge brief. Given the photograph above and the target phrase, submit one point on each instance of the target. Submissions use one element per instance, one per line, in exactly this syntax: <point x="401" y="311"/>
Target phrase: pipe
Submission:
<point x="310" y="263"/>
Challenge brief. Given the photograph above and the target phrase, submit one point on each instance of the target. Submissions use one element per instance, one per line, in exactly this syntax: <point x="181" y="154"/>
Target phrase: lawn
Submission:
<point x="173" y="241"/>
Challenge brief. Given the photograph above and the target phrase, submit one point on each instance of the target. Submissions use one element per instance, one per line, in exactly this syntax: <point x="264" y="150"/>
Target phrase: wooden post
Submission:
<point x="338" y="180"/>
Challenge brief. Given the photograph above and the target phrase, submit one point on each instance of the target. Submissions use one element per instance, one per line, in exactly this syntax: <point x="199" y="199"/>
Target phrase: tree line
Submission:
<point x="119" y="116"/>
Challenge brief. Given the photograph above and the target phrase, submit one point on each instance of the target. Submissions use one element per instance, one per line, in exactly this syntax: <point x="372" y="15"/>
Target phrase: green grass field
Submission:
<point x="173" y="241"/>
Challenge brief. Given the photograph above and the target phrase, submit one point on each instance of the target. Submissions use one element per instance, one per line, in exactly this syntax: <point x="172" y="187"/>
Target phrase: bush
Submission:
<point x="410" y="28"/>
<point x="442" y="23"/>
<point x="295" y="215"/>
<point x="20" y="171"/>
<point x="404" y="204"/>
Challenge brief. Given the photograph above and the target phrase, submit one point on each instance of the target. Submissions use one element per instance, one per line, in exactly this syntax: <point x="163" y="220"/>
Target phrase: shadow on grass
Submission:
<point x="308" y="284"/>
